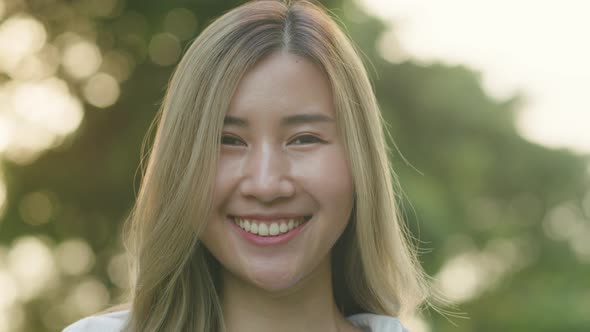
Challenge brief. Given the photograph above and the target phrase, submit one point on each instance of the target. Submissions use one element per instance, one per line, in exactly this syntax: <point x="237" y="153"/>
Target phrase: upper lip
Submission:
<point x="273" y="216"/>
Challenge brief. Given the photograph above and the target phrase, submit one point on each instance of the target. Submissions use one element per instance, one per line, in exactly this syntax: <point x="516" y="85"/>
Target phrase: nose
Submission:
<point x="266" y="175"/>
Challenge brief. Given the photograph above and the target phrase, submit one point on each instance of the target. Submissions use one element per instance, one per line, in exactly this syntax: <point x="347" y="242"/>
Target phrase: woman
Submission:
<point x="267" y="203"/>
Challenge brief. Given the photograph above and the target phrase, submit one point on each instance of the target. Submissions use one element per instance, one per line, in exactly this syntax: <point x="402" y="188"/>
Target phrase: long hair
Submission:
<point x="175" y="283"/>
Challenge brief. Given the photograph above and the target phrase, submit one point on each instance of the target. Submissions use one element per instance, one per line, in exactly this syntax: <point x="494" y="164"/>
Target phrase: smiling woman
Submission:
<point x="268" y="196"/>
<point x="289" y="170"/>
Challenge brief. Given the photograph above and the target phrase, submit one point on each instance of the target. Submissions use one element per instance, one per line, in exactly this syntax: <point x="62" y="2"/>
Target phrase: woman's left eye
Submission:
<point x="306" y="139"/>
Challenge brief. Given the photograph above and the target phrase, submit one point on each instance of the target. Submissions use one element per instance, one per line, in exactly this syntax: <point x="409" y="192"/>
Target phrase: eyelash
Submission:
<point x="234" y="138"/>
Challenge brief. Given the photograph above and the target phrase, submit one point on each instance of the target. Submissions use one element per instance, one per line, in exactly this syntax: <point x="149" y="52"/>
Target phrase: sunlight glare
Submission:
<point x="38" y="66"/>
<point x="81" y="59"/>
<point x="38" y="115"/>
<point x="7" y="289"/>
<point x="164" y="49"/>
<point x="88" y="297"/>
<point x="538" y="49"/>
<point x="49" y="104"/>
<point x="20" y="36"/>
<point x="101" y="90"/>
<point x="12" y="318"/>
<point x="562" y="222"/>
<point x="118" y="271"/>
<point x="6" y="131"/>
<point x="74" y="257"/>
<point x="32" y="279"/>
<point x="417" y="324"/>
<point x="37" y="208"/>
<point x="181" y="22"/>
<point x="118" y="64"/>
<point x="469" y="274"/>
<point x="461" y="277"/>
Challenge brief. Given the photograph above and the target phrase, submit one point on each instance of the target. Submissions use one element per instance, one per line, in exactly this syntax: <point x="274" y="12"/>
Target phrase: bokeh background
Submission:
<point x="492" y="148"/>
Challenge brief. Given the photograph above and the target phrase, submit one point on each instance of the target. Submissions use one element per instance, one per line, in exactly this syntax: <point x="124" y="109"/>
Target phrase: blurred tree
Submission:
<point x="504" y="219"/>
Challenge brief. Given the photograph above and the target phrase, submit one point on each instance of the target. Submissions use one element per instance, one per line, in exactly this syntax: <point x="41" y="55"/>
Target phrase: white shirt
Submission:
<point x="114" y="321"/>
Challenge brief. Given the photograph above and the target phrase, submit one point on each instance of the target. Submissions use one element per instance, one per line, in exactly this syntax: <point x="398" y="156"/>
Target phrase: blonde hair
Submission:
<point x="175" y="281"/>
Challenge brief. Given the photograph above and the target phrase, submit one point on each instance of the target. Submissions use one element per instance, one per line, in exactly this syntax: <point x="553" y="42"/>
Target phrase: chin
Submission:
<point x="274" y="281"/>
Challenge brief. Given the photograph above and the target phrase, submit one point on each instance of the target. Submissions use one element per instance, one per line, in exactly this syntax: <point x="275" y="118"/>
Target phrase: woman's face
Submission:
<point x="283" y="190"/>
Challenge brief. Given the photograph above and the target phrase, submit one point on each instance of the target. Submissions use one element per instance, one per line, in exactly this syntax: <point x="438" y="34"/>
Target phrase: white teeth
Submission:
<point x="273" y="229"/>
<point x="264" y="229"/>
<point x="283" y="228"/>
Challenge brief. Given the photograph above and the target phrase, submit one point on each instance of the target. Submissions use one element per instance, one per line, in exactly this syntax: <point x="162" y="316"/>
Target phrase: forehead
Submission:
<point x="283" y="83"/>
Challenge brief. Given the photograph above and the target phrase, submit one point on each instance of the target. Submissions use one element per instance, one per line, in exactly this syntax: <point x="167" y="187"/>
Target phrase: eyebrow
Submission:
<point x="292" y="120"/>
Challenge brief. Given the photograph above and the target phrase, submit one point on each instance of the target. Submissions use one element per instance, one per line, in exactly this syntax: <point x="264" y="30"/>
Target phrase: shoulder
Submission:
<point x="377" y="323"/>
<point x="110" y="322"/>
<point x="114" y="322"/>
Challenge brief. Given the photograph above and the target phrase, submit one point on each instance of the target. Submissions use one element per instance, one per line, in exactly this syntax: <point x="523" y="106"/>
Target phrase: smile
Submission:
<point x="269" y="228"/>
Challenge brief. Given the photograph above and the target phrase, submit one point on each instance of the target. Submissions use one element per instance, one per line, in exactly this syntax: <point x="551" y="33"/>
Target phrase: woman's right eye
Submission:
<point x="231" y="140"/>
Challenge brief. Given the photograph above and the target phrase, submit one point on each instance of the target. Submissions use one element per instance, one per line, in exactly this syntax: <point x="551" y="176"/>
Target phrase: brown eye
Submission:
<point x="306" y="139"/>
<point x="231" y="140"/>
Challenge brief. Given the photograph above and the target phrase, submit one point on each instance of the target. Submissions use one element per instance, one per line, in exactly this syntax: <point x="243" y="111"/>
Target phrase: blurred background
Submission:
<point x="486" y="101"/>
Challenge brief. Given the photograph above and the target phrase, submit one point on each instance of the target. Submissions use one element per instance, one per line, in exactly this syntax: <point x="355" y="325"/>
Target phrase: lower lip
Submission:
<point x="268" y="240"/>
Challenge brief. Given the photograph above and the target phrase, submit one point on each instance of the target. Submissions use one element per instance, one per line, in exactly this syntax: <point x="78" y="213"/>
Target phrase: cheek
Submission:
<point x="327" y="178"/>
<point x="224" y="180"/>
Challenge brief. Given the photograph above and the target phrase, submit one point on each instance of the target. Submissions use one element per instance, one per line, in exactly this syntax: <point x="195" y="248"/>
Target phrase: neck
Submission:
<point x="307" y="306"/>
